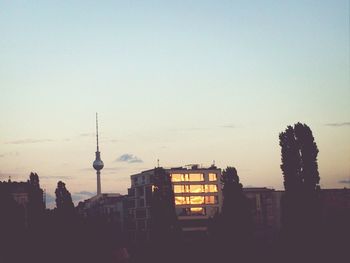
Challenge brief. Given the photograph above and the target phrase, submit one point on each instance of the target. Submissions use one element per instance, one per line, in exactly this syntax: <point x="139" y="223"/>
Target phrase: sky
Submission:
<point x="185" y="82"/>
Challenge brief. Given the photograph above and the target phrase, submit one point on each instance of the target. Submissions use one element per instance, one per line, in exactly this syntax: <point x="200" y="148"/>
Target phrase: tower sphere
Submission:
<point x="98" y="164"/>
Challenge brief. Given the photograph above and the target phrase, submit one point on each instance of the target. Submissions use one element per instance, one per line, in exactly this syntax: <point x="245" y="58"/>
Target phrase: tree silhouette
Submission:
<point x="36" y="206"/>
<point x="163" y="217"/>
<point x="301" y="206"/>
<point x="234" y="225"/>
<point x="63" y="198"/>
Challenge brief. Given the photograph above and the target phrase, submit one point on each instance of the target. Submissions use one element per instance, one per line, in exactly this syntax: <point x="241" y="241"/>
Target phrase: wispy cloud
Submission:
<point x="81" y="196"/>
<point x="85" y="193"/>
<point x="129" y="158"/>
<point x="87" y="134"/>
<point x="338" y="124"/>
<point x="345" y="181"/>
<point x="112" y="168"/>
<point x="28" y="141"/>
<point x="228" y="126"/>
<point x="56" y="177"/>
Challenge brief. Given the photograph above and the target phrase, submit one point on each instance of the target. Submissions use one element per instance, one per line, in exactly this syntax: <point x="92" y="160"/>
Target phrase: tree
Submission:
<point x="299" y="159"/>
<point x="164" y="227"/>
<point x="36" y="205"/>
<point x="63" y="198"/>
<point x="234" y="225"/>
<point x="301" y="206"/>
<point x="164" y="219"/>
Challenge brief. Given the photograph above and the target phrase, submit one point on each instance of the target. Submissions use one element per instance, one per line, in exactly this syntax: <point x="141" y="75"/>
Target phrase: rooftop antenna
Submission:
<point x="158" y="163"/>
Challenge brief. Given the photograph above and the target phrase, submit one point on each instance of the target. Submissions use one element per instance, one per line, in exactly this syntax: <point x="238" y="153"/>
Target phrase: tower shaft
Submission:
<point x="98" y="174"/>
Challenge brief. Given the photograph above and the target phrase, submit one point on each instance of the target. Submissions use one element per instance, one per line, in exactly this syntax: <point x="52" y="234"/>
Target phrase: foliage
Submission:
<point x="301" y="203"/>
<point x="299" y="158"/>
<point x="63" y="198"/>
<point x="164" y="220"/>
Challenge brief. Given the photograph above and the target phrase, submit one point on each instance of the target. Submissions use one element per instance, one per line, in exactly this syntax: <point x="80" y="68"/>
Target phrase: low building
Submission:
<point x="109" y="207"/>
<point x="265" y="207"/>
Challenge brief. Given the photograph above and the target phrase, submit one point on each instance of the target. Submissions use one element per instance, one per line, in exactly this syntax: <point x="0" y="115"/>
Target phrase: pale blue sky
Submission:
<point x="183" y="81"/>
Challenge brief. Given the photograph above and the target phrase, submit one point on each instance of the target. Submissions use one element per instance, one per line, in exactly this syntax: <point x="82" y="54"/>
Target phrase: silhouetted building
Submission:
<point x="265" y="207"/>
<point x="110" y="208"/>
<point x="197" y="193"/>
<point x="28" y="197"/>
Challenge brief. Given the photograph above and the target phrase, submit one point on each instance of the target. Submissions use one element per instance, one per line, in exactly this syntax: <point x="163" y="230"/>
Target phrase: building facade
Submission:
<point x="197" y="192"/>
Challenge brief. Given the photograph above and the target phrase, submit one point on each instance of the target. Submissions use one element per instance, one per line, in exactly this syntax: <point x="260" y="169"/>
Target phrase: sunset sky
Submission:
<point x="183" y="81"/>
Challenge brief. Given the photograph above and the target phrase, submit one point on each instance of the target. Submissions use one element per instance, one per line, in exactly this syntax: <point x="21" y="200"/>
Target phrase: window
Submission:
<point x="179" y="188"/>
<point x="196" y="188"/>
<point x="140" y="191"/>
<point x="213" y="177"/>
<point x="141" y="224"/>
<point x="197" y="211"/>
<point x="194" y="200"/>
<point x="131" y="203"/>
<point x="141" y="213"/>
<point x="189" y="200"/>
<point x="211" y="188"/>
<point x="131" y="191"/>
<point x="141" y="202"/>
<point x="182" y="200"/>
<point x="196" y="177"/>
<point x="192" y="211"/>
<point x="212" y="199"/>
<point x="177" y="177"/>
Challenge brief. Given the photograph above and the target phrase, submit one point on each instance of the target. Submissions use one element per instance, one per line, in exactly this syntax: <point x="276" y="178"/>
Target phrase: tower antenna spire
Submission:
<point x="97" y="132"/>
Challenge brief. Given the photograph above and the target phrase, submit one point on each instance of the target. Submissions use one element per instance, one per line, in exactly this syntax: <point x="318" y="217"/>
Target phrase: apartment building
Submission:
<point x="198" y="197"/>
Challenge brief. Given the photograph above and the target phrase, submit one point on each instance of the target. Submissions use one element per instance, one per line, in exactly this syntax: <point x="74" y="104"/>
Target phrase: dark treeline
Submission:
<point x="307" y="233"/>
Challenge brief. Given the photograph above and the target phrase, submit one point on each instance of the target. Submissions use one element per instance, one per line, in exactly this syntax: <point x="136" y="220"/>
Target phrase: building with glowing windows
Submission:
<point x="197" y="193"/>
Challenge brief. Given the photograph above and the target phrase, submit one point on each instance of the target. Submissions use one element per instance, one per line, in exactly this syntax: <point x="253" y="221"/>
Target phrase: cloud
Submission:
<point x="2" y="155"/>
<point x="81" y="196"/>
<point x="28" y="141"/>
<point x="56" y="177"/>
<point x="85" y="193"/>
<point x="129" y="158"/>
<point x="338" y="124"/>
<point x="112" y="168"/>
<point x="87" y="134"/>
<point x="228" y="126"/>
<point x="346" y="181"/>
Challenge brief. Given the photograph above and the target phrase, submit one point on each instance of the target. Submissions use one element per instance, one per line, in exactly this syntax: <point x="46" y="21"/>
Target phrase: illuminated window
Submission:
<point x="211" y="188"/>
<point x="212" y="177"/>
<point x="177" y="177"/>
<point x="211" y="199"/>
<point x="197" y="211"/>
<point x="196" y="200"/>
<point x="179" y="200"/>
<point x="182" y="200"/>
<point x="196" y="177"/>
<point x="178" y="188"/>
<point x="196" y="188"/>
